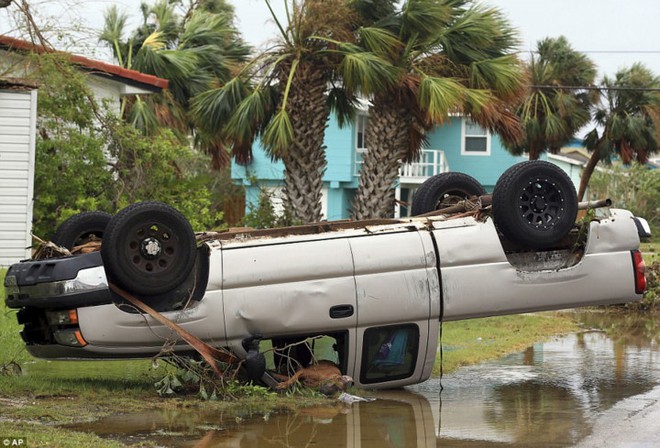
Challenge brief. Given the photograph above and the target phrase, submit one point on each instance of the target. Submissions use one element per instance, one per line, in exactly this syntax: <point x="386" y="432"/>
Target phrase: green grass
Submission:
<point x="473" y="341"/>
<point x="650" y="251"/>
<point x="35" y="434"/>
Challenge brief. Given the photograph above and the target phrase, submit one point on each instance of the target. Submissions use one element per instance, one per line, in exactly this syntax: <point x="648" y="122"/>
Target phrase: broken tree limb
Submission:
<point x="594" y="204"/>
<point x="209" y="353"/>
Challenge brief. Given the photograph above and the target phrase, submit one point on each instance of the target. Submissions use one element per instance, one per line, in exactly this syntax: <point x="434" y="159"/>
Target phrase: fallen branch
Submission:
<point x="209" y="353"/>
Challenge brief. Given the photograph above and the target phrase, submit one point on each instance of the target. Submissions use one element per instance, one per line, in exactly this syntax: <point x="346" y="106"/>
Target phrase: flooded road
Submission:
<point x="551" y="395"/>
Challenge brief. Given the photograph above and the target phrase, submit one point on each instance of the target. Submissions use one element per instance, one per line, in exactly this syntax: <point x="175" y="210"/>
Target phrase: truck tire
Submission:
<point x="444" y="190"/>
<point x="534" y="204"/>
<point x="149" y="248"/>
<point x="81" y="228"/>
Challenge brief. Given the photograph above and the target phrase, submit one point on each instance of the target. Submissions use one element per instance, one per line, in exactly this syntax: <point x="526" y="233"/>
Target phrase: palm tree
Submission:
<point x="551" y="114"/>
<point x="627" y="122"/>
<point x="195" y="51"/>
<point x="285" y="94"/>
<point x="451" y="57"/>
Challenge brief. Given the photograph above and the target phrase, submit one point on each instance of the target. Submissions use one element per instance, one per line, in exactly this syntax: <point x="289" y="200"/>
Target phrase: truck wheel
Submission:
<point x="149" y="248"/>
<point x="534" y="203"/>
<point x="444" y="190"/>
<point x="81" y="228"/>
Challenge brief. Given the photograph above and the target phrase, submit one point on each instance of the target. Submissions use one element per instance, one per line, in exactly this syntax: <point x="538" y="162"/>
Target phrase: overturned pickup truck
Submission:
<point x="367" y="295"/>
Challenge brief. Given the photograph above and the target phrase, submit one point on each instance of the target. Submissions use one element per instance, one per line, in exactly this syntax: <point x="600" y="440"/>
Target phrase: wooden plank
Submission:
<point x="11" y="153"/>
<point x="14" y="112"/>
<point x="14" y="209"/>
<point x="11" y="191"/>
<point x="14" y="130"/>
<point x="14" y="121"/>
<point x="8" y="98"/>
<point x="16" y="139"/>
<point x="12" y="173"/>
<point x="14" y="217"/>
<point x="15" y="235"/>
<point x="13" y="167"/>
<point x="12" y="244"/>
<point x="13" y="226"/>
<point x="13" y="183"/>
<point x="13" y="200"/>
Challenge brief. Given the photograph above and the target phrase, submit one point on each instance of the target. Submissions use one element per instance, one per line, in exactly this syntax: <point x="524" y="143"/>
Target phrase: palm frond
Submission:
<point x="381" y="42"/>
<point x="254" y="109"/>
<point x="114" y="23"/>
<point x="343" y="105"/>
<point x="278" y="135"/>
<point x="440" y="96"/>
<point x="366" y="73"/>
<point x="423" y="18"/>
<point x="215" y="106"/>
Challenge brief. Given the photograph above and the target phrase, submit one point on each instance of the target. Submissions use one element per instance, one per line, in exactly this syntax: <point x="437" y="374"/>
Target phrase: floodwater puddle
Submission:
<point x="548" y="395"/>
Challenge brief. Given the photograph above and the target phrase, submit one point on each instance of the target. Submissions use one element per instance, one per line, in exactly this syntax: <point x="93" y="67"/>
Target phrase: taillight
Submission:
<point x="640" y="269"/>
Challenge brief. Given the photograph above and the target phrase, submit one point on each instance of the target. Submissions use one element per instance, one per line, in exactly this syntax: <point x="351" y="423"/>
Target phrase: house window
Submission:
<point x="361" y="132"/>
<point x="476" y="140"/>
<point x="361" y="123"/>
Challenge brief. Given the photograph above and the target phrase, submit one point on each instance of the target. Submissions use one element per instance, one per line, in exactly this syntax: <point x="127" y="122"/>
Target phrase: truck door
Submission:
<point x="286" y="287"/>
<point x="398" y="308"/>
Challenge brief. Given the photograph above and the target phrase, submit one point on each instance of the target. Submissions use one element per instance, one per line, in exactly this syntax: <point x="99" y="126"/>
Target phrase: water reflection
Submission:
<point x="548" y="395"/>
<point x="397" y="419"/>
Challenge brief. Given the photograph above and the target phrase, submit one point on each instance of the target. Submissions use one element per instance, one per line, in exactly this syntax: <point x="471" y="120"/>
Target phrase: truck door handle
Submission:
<point x="341" y="311"/>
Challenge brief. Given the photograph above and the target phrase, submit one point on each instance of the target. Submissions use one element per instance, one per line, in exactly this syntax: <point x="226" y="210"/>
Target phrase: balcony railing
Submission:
<point x="431" y="162"/>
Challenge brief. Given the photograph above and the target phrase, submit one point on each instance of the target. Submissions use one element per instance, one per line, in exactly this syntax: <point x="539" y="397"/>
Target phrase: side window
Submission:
<point x="476" y="140"/>
<point x="285" y="355"/>
<point x="389" y="353"/>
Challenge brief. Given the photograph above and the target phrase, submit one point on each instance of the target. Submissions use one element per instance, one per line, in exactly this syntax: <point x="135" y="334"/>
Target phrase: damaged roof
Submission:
<point x="95" y="67"/>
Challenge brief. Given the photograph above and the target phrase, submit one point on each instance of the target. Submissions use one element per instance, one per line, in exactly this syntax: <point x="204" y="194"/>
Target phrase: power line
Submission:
<point x="624" y="89"/>
<point x="606" y="51"/>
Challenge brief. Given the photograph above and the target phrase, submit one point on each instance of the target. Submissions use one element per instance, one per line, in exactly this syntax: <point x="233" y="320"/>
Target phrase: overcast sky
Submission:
<point x="615" y="33"/>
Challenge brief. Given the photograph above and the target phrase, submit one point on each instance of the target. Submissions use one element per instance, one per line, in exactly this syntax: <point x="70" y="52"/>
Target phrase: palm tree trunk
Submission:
<point x="386" y="139"/>
<point x="305" y="161"/>
<point x="588" y="171"/>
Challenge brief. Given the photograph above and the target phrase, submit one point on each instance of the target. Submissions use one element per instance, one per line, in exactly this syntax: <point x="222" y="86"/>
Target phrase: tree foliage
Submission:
<point x="635" y="187"/>
<point x="445" y="57"/>
<point x="627" y="120"/>
<point x="555" y="108"/>
<point x="282" y="97"/>
<point x="195" y="46"/>
<point x="87" y="159"/>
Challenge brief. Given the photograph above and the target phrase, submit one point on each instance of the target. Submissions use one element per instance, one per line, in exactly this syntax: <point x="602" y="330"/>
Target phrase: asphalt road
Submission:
<point x="632" y="423"/>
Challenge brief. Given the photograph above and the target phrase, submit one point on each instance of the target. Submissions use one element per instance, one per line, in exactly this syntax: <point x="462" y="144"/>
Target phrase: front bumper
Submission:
<point x="57" y="283"/>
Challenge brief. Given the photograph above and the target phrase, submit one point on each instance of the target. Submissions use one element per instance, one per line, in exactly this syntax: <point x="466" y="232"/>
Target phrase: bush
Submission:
<point x="634" y="187"/>
<point x="651" y="297"/>
<point x="87" y="159"/>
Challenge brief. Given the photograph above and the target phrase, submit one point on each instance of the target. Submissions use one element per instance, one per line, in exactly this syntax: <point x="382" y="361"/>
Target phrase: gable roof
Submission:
<point x="95" y="67"/>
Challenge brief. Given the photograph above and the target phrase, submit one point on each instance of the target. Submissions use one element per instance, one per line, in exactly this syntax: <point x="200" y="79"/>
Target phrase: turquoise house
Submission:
<point x="458" y="145"/>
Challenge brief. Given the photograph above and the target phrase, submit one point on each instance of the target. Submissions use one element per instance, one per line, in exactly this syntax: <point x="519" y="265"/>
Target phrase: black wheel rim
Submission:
<point x="541" y="204"/>
<point x="151" y="247"/>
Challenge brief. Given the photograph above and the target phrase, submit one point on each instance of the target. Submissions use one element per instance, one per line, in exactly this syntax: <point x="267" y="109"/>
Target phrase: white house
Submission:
<point x="18" y="117"/>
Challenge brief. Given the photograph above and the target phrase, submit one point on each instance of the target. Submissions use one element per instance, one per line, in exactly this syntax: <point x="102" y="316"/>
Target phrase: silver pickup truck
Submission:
<point x="369" y="296"/>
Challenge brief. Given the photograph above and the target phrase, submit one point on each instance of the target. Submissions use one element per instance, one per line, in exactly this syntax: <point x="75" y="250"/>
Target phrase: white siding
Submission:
<point x="17" y="138"/>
